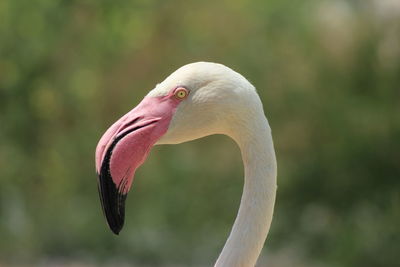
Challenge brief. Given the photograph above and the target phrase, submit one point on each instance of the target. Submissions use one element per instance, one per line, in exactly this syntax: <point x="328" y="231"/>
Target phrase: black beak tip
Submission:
<point x="112" y="200"/>
<point x="116" y="228"/>
<point x="115" y="221"/>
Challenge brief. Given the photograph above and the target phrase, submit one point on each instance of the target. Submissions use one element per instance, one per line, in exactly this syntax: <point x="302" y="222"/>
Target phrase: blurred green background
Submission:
<point x="328" y="73"/>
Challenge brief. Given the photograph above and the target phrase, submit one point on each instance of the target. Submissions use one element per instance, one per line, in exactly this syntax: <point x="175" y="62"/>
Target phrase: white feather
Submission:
<point x="221" y="101"/>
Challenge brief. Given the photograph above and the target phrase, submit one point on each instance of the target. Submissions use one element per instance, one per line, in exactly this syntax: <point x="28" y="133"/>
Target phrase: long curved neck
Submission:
<point x="257" y="204"/>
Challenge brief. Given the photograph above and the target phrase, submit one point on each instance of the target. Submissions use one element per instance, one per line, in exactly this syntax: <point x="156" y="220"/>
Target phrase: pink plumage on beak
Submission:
<point x="124" y="147"/>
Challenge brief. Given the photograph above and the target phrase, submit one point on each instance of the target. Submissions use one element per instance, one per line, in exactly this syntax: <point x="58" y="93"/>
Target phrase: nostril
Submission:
<point x="126" y="130"/>
<point x="130" y="123"/>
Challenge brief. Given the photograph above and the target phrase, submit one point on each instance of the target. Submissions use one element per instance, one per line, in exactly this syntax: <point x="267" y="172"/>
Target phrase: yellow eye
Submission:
<point x="181" y="93"/>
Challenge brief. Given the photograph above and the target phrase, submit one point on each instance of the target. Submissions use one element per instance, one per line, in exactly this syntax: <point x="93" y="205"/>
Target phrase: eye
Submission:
<point x="181" y="93"/>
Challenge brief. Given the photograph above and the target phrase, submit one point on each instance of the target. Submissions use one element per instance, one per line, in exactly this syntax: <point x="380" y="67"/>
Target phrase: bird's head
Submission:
<point x="197" y="100"/>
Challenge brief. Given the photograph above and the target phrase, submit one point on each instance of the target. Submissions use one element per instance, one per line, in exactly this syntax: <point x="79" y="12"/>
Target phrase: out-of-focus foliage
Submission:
<point x="328" y="73"/>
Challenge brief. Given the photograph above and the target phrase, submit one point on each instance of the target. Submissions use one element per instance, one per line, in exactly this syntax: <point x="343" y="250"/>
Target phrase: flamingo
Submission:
<point x="197" y="100"/>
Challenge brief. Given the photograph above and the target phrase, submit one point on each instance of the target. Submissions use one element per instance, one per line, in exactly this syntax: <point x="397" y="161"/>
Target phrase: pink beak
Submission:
<point x="124" y="147"/>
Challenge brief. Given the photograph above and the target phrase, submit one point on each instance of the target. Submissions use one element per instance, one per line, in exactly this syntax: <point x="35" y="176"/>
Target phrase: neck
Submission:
<point x="254" y="217"/>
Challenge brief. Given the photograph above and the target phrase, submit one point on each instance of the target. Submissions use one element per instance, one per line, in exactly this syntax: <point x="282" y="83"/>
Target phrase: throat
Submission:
<point x="254" y="217"/>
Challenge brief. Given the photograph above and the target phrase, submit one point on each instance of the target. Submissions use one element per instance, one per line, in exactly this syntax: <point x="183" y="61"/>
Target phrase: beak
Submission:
<point x="124" y="147"/>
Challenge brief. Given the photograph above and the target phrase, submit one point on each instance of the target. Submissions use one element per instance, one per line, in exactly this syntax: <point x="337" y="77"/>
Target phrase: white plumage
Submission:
<point x="224" y="102"/>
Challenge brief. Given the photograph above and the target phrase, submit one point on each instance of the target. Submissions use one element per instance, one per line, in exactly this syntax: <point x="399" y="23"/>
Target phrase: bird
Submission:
<point x="197" y="100"/>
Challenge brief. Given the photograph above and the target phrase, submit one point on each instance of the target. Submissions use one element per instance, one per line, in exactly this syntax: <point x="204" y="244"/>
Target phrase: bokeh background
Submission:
<point x="328" y="73"/>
